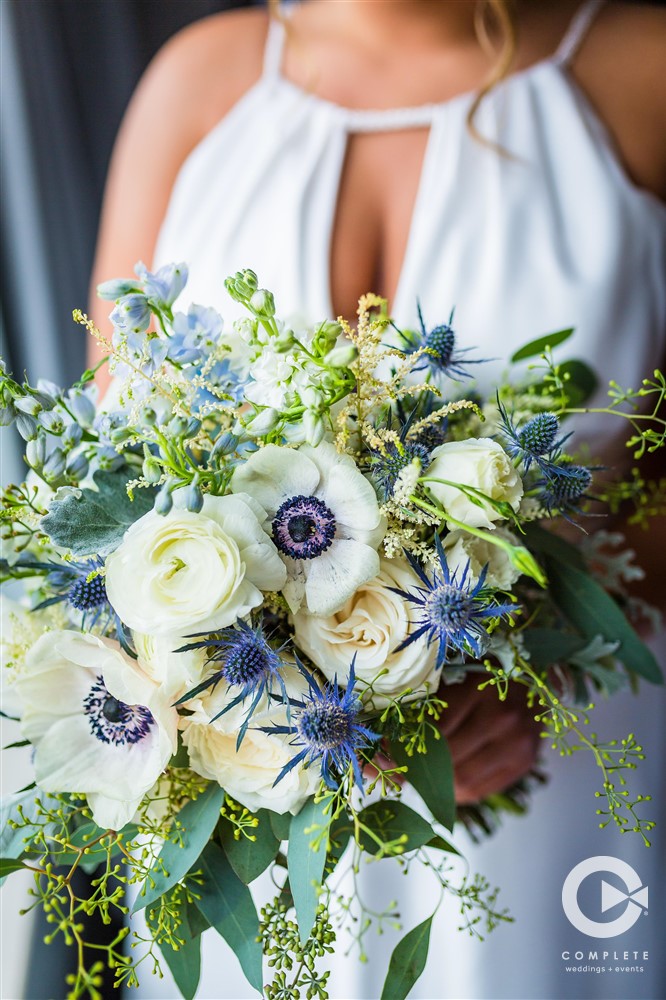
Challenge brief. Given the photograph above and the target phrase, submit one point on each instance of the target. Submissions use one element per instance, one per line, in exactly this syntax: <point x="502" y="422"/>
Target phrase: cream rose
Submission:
<point x="482" y="464"/>
<point x="248" y="773"/>
<point x="371" y="626"/>
<point x="186" y="572"/>
<point x="461" y="547"/>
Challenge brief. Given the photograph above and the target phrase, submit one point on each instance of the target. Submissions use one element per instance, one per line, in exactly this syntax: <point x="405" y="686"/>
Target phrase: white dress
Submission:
<point x="553" y="236"/>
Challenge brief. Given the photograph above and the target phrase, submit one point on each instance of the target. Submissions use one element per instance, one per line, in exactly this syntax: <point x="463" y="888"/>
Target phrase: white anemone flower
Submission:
<point x="324" y="517"/>
<point x="99" y="725"/>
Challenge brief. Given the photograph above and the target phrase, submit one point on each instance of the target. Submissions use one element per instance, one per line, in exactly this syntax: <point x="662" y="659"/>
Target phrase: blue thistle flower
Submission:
<point x="325" y="724"/>
<point x="387" y="465"/>
<point x="563" y="486"/>
<point x="247" y="662"/>
<point x="442" y="358"/>
<point x="81" y="585"/>
<point x="536" y="441"/>
<point x="454" y="613"/>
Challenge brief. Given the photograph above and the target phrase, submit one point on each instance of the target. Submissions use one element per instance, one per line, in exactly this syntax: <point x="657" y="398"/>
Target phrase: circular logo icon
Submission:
<point x="634" y="896"/>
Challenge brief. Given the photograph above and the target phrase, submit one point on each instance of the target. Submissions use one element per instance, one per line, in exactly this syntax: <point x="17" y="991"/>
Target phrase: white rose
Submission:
<point x="371" y="626"/>
<point x="461" y="547"/>
<point x="482" y="464"/>
<point x="99" y="725"/>
<point x="248" y="773"/>
<point x="187" y="572"/>
<point x="176" y="673"/>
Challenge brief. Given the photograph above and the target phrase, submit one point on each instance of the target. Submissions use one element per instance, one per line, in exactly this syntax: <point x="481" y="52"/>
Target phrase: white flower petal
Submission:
<point x="112" y="814"/>
<point x="344" y="489"/>
<point x="333" y="577"/>
<point x="274" y="474"/>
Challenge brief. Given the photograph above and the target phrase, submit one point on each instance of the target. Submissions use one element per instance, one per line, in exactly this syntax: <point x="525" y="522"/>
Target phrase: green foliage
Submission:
<point x="192" y="830"/>
<point x="431" y="774"/>
<point x="541" y="344"/>
<point x="9" y="865"/>
<point x="179" y="942"/>
<point x="407" y="962"/>
<point x="93" y="522"/>
<point x="249" y="852"/>
<point x="593" y="613"/>
<point x="308" y="840"/>
<point x="389" y="827"/>
<point x="548" y="646"/>
<point x="227" y="905"/>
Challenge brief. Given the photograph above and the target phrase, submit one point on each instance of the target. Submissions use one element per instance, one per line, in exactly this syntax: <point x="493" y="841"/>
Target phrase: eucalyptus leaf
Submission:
<point x="548" y="646"/>
<point x="93" y="522"/>
<point x="196" y="822"/>
<point x="431" y="774"/>
<point x="280" y="823"/>
<point x="305" y="864"/>
<point x="547" y="543"/>
<point x="538" y="346"/>
<point x="390" y="820"/>
<point x="580" y="382"/>
<point x="249" y="858"/>
<point x="227" y="905"/>
<point x="9" y="865"/>
<point x="185" y="963"/>
<point x="593" y="612"/>
<point x="407" y="962"/>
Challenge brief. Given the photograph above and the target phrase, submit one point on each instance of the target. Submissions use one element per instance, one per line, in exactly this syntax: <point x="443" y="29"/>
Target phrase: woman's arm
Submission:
<point x="190" y="85"/>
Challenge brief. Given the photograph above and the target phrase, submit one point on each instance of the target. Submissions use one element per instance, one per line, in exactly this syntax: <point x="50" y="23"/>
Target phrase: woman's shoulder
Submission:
<point x="203" y="70"/>
<point x="620" y="68"/>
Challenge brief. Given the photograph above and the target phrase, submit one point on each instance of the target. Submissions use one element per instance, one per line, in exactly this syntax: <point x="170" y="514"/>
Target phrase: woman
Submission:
<point x="249" y="144"/>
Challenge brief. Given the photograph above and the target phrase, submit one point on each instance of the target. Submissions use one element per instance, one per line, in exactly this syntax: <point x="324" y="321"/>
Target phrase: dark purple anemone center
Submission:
<point x="111" y="720"/>
<point x="303" y="527"/>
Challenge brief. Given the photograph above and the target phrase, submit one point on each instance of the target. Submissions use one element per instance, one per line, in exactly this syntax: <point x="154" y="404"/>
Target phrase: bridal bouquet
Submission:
<point x="249" y="580"/>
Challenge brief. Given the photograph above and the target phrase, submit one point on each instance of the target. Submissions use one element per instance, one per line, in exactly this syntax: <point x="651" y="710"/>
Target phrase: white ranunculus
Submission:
<point x="482" y="464"/>
<point x="187" y="572"/>
<point x="461" y="547"/>
<point x="248" y="773"/>
<point x="99" y="725"/>
<point x="325" y="520"/>
<point x="176" y="673"/>
<point x="371" y="626"/>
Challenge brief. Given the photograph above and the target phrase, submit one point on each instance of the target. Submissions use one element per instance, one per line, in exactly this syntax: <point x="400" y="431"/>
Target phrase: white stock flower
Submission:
<point x="189" y="572"/>
<point x="176" y="673"/>
<point x="325" y="521"/>
<point x="371" y="626"/>
<point x="482" y="464"/>
<point x="248" y="773"/>
<point x="99" y="725"/>
<point x="461" y="547"/>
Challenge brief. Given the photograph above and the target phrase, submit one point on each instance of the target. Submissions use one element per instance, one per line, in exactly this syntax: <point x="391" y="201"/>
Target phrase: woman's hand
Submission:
<point x="493" y="743"/>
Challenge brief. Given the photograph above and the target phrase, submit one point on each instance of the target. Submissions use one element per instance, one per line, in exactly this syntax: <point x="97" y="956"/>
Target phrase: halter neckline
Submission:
<point x="421" y="115"/>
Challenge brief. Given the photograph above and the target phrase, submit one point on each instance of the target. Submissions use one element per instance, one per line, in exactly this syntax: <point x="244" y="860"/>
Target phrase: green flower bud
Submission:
<point x="177" y="426"/>
<point x="226" y="444"/>
<point x="35" y="452"/>
<point x="342" y="356"/>
<point x="326" y="336"/>
<point x="26" y="426"/>
<point x="313" y="427"/>
<point x="284" y="342"/>
<point x="263" y="303"/>
<point x="77" y="467"/>
<point x="152" y="470"/>
<point x="163" y="501"/>
<point x="193" y="499"/>
<point x="148" y="416"/>
<point x="54" y="466"/>
<point x="28" y="404"/>
<point x="263" y="422"/>
<point x="250" y="278"/>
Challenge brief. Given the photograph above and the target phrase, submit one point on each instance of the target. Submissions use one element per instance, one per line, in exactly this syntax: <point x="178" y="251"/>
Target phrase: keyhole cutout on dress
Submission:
<point x="380" y="181"/>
